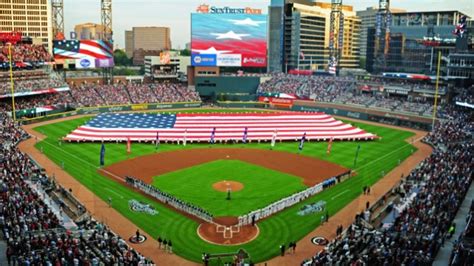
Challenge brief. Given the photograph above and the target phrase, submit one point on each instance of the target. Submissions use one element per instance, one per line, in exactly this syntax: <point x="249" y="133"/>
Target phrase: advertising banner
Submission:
<point x="276" y="101"/>
<point x="203" y="60"/>
<point x="85" y="63"/>
<point x="109" y="62"/>
<point x="229" y="60"/>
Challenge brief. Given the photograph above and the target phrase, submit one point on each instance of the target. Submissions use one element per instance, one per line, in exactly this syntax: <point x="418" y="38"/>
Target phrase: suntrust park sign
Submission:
<point x="227" y="10"/>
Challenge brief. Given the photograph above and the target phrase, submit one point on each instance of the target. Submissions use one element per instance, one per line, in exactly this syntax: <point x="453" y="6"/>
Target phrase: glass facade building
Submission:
<point x="414" y="43"/>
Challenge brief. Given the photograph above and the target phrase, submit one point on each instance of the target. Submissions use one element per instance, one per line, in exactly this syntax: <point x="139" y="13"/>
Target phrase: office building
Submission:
<point x="414" y="43"/>
<point x="89" y="31"/>
<point x="129" y="43"/>
<point x="146" y="40"/>
<point x="31" y="17"/>
<point x="367" y="19"/>
<point x="299" y="34"/>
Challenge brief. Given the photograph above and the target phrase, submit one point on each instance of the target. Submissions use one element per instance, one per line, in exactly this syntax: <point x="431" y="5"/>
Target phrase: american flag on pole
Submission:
<point x="75" y="49"/>
<point x="216" y="127"/>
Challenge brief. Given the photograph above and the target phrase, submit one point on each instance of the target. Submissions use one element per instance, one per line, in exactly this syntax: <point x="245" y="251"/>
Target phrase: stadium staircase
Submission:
<point x="101" y="96"/>
<point x="124" y="88"/>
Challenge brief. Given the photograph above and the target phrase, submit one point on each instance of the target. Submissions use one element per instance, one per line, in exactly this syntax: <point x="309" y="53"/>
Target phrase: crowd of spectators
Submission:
<point x="439" y="185"/>
<point x="173" y="92"/>
<point x="95" y="95"/>
<point x="89" y="95"/>
<point x="31" y="53"/>
<point x="141" y="93"/>
<point x="114" y="94"/>
<point x="42" y="100"/>
<point x="465" y="96"/>
<point x="399" y="82"/>
<point x="86" y="95"/>
<point x="27" y="81"/>
<point x="345" y="90"/>
<point x="34" y="233"/>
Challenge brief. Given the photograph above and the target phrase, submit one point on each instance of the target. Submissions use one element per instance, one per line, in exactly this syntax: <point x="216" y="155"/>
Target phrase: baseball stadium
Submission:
<point x="239" y="150"/>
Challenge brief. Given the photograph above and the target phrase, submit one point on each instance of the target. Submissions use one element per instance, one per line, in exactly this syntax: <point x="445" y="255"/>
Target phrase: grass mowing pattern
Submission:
<point x="81" y="161"/>
<point x="262" y="186"/>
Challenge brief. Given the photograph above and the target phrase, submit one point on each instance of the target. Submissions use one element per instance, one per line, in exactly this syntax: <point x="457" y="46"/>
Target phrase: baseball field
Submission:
<point x="260" y="183"/>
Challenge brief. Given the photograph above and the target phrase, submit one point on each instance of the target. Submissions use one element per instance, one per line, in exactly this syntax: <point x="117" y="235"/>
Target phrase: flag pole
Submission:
<point x="436" y="92"/>
<point x="12" y="86"/>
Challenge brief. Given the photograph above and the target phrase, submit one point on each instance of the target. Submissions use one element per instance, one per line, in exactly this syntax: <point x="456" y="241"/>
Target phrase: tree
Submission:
<point x="121" y="59"/>
<point x="185" y="52"/>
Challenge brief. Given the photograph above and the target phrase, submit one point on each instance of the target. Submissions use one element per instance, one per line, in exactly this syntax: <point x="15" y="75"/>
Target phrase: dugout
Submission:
<point x="227" y="88"/>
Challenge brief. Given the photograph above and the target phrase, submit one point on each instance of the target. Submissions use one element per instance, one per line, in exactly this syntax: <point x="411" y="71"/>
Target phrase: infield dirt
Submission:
<point x="148" y="166"/>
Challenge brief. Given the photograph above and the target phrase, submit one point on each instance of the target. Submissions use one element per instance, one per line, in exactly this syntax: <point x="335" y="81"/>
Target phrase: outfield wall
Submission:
<point x="114" y="108"/>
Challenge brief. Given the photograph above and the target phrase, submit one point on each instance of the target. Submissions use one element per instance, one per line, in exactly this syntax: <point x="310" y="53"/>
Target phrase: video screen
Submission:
<point x="230" y="40"/>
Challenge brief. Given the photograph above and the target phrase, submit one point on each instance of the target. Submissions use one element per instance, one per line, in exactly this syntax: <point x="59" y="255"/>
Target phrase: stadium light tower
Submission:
<point x="336" y="35"/>
<point x="383" y="22"/>
<point x="106" y="18"/>
<point x="57" y="11"/>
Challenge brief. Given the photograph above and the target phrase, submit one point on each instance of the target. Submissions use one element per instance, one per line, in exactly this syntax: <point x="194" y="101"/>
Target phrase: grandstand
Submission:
<point x="37" y="230"/>
<point x="424" y="204"/>
<point x="367" y="92"/>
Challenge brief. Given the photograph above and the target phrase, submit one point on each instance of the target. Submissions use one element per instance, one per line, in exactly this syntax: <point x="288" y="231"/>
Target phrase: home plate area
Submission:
<point x="226" y="231"/>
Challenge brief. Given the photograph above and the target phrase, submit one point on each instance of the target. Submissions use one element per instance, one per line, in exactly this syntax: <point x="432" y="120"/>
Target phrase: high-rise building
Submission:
<point x="89" y="31"/>
<point x="129" y="43"/>
<point x="414" y="43"/>
<point x="275" y="36"/>
<point x="367" y="19"/>
<point x="145" y="39"/>
<point x="299" y="36"/>
<point x="31" y="17"/>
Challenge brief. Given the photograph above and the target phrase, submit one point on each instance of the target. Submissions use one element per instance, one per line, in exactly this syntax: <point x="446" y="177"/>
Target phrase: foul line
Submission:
<point x="84" y="161"/>
<point x="390" y="153"/>
<point x="343" y="192"/>
<point x="115" y="192"/>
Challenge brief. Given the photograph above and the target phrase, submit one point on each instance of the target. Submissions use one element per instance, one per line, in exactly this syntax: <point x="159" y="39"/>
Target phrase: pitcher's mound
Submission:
<point x="222" y="186"/>
<point x="227" y="235"/>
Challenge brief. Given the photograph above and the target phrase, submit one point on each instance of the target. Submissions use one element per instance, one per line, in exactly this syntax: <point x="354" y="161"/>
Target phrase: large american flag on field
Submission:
<point x="199" y="127"/>
<point x="75" y="49"/>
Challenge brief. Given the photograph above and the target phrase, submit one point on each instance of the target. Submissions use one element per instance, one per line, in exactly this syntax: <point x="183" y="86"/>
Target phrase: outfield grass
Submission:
<point x="262" y="186"/>
<point x="81" y="161"/>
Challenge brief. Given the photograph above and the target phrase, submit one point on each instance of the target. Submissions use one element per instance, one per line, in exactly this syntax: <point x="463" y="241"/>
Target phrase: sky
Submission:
<point x="176" y="13"/>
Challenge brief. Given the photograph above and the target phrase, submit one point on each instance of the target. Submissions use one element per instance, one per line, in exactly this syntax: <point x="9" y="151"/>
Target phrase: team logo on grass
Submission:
<point x="312" y="208"/>
<point x="319" y="241"/>
<point x="134" y="240"/>
<point x="137" y="206"/>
